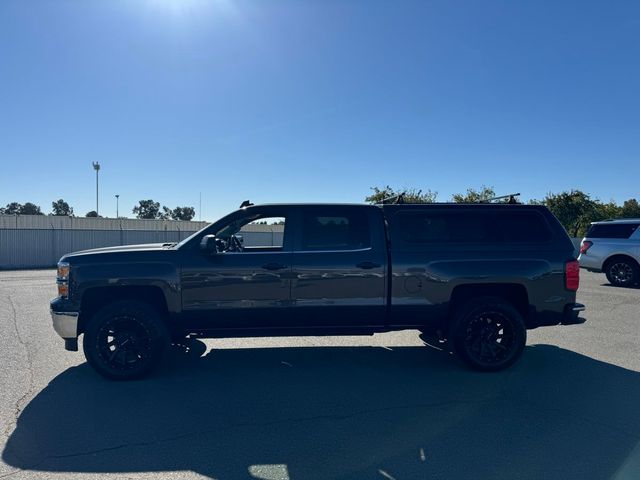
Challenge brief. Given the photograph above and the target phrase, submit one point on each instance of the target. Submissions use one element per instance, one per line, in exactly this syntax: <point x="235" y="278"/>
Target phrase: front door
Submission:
<point x="247" y="283"/>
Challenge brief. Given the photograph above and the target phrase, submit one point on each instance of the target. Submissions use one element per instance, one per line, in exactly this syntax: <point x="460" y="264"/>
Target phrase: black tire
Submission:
<point x="622" y="272"/>
<point x="488" y="334"/>
<point x="125" y="340"/>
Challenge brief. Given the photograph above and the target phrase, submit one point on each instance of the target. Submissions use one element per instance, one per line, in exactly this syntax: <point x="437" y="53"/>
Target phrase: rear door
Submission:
<point x="339" y="267"/>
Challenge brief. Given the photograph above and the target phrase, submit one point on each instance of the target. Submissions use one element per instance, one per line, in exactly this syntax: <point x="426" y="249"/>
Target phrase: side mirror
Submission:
<point x="208" y="245"/>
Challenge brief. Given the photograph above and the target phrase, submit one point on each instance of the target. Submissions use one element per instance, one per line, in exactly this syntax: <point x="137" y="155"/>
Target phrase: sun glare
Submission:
<point x="194" y="7"/>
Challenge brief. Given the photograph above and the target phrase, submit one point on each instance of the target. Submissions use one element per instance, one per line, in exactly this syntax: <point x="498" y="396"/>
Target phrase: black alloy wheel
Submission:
<point x="124" y="343"/>
<point x="489" y="334"/>
<point x="125" y="340"/>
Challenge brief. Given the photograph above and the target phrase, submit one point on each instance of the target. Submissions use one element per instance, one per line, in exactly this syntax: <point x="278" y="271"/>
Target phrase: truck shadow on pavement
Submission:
<point x="340" y="412"/>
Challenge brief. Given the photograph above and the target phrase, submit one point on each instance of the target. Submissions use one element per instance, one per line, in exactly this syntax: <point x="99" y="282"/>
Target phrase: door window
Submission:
<point x="253" y="234"/>
<point x="335" y="231"/>
<point x="264" y="232"/>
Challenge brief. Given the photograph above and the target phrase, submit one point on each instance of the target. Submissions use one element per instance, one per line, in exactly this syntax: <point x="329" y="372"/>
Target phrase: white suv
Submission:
<point x="613" y="247"/>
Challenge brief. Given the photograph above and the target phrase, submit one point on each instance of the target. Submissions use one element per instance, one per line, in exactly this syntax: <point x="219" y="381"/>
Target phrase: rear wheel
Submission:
<point x="622" y="272"/>
<point x="488" y="334"/>
<point x="125" y="340"/>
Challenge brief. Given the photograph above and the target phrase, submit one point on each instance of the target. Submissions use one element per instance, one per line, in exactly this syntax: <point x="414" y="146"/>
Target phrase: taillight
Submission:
<point x="572" y="275"/>
<point x="585" y="245"/>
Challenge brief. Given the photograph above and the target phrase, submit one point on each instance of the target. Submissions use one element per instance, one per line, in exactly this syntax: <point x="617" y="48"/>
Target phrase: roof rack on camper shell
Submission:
<point x="399" y="199"/>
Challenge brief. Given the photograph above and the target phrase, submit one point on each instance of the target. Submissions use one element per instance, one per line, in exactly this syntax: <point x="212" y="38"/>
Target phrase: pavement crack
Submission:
<point x="19" y="404"/>
<point x="197" y="433"/>
<point x="13" y="472"/>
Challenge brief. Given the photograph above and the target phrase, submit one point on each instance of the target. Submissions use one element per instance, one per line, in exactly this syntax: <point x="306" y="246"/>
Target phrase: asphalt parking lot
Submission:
<point x="381" y="407"/>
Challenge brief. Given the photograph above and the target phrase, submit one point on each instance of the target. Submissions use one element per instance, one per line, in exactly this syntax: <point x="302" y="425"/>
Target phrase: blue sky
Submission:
<point x="315" y="101"/>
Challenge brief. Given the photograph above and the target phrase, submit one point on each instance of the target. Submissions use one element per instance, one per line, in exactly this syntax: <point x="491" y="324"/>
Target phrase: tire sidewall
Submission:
<point x="149" y="317"/>
<point x="464" y="315"/>
<point x="614" y="282"/>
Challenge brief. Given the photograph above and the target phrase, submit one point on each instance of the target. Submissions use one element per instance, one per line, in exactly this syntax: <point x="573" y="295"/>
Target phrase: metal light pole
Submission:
<point x="117" y="202"/>
<point x="96" y="167"/>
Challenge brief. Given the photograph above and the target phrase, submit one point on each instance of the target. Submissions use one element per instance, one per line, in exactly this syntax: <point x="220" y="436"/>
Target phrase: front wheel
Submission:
<point x="488" y="334"/>
<point x="125" y="340"/>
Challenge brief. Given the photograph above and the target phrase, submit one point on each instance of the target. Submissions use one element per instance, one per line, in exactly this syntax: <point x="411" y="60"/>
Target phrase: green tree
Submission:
<point x="165" y="214"/>
<point x="630" y="209"/>
<point x="410" y="195"/>
<point x="30" y="209"/>
<point x="60" y="207"/>
<point x="92" y="214"/>
<point x="183" y="213"/>
<point x="575" y="209"/>
<point x="12" y="208"/>
<point x="147" y="209"/>
<point x="474" y="196"/>
<point x="604" y="211"/>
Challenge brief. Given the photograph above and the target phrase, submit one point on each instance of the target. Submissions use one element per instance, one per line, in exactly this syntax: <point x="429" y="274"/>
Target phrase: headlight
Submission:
<point x="63" y="279"/>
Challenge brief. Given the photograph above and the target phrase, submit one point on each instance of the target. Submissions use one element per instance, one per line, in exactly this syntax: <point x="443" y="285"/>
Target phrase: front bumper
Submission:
<point x="65" y="323"/>
<point x="65" y="316"/>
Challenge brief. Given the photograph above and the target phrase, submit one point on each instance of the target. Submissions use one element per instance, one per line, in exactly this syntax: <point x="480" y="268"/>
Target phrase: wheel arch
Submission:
<point x="619" y="256"/>
<point x="95" y="298"/>
<point x="514" y="293"/>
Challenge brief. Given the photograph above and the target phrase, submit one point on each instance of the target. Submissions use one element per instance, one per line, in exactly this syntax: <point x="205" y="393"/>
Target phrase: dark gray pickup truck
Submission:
<point x="473" y="276"/>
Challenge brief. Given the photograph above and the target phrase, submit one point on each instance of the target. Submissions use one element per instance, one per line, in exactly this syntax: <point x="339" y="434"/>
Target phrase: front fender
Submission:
<point x="163" y="275"/>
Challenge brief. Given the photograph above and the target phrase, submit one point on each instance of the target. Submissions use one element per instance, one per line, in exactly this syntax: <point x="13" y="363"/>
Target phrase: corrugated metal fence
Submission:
<point x="28" y="242"/>
<point x="84" y="223"/>
<point x="39" y="241"/>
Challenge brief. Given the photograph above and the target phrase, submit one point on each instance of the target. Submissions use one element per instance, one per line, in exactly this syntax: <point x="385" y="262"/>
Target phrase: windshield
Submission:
<point x="190" y="237"/>
<point x="223" y="230"/>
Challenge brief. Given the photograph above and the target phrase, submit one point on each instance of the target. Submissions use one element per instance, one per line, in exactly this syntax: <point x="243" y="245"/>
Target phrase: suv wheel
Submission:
<point x="488" y="334"/>
<point x="125" y="340"/>
<point x="622" y="272"/>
